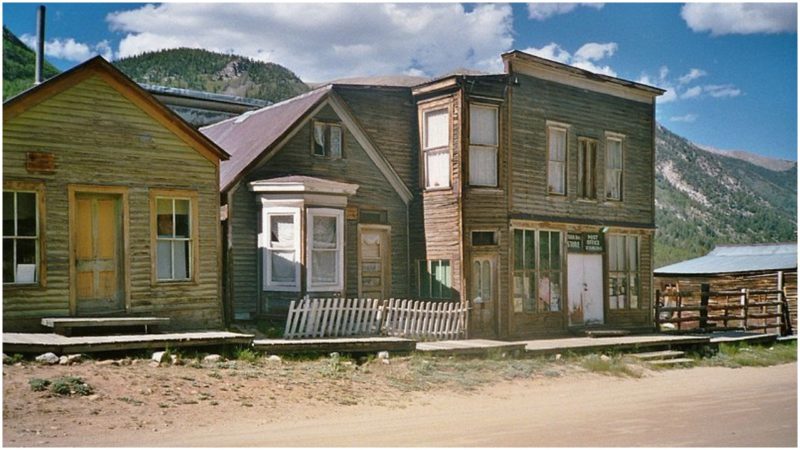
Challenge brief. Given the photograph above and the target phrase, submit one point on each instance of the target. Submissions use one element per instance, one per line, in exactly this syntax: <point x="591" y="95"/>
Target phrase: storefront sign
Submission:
<point x="593" y="242"/>
<point x="574" y="242"/>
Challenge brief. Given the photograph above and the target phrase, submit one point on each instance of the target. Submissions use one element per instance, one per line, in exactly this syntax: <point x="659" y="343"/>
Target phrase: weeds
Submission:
<point x="733" y="355"/>
<point x="246" y="355"/>
<point x="609" y="365"/>
<point x="38" y="384"/>
<point x="62" y="386"/>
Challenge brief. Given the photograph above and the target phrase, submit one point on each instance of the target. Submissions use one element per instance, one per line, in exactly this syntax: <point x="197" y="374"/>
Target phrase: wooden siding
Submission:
<point x="589" y="115"/>
<point x="295" y="158"/>
<point x="100" y="138"/>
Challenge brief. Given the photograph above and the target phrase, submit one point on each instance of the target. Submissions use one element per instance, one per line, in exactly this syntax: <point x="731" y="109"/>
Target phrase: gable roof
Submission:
<point x="127" y="88"/>
<point x="737" y="258"/>
<point x="255" y="136"/>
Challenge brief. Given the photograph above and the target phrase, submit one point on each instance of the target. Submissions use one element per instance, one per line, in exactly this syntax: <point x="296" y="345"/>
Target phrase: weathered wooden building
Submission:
<point x="527" y="194"/>
<point x="736" y="267"/>
<point x="110" y="205"/>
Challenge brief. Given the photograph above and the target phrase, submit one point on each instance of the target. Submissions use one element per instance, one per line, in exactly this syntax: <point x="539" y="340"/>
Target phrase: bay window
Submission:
<point x="483" y="144"/>
<point x="282" y="249"/>
<point x="436" y="148"/>
<point x="325" y="245"/>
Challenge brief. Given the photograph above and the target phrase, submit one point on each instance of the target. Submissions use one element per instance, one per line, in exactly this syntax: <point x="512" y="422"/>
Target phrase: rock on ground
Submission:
<point x="48" y="358"/>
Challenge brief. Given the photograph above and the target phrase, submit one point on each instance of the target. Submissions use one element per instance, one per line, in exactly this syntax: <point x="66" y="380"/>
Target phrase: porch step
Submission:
<point x="64" y="325"/>
<point x="606" y="333"/>
<point x="672" y="362"/>
<point x="654" y="356"/>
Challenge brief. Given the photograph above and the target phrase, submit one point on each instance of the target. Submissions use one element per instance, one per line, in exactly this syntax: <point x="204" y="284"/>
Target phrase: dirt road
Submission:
<point x="691" y="407"/>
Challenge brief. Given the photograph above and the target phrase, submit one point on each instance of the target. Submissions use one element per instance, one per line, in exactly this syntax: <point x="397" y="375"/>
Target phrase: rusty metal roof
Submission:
<point x="248" y="136"/>
<point x="737" y="258"/>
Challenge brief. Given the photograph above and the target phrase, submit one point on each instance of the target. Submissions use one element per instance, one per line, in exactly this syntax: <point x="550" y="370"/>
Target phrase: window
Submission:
<point x="282" y="244"/>
<point x="587" y="151"/>
<point x="481" y="238"/>
<point x="613" y="168"/>
<point x="537" y="274"/>
<point x="173" y="239"/>
<point x="373" y="216"/>
<point x="481" y="280"/>
<point x="325" y="243"/>
<point x="20" y="237"/>
<point x="483" y="143"/>
<point x="327" y="140"/>
<point x="557" y="160"/>
<point x="436" y="148"/>
<point x="623" y="272"/>
<point x="434" y="279"/>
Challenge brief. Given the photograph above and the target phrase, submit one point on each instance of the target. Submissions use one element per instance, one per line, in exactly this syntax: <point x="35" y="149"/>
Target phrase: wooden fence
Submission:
<point x="339" y="317"/>
<point x="764" y="310"/>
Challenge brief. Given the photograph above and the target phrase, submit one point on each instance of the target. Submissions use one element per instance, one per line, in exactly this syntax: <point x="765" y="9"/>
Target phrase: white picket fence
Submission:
<point x="338" y="317"/>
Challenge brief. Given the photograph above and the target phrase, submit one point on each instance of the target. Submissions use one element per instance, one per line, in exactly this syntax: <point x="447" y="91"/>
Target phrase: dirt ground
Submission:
<point x="411" y="401"/>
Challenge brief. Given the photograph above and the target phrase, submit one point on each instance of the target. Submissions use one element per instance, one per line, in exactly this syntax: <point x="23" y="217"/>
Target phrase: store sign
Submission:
<point x="585" y="242"/>
<point x="574" y="242"/>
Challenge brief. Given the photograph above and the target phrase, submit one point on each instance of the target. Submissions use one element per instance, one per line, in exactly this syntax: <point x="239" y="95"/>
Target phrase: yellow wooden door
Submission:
<point x="374" y="271"/>
<point x="98" y="254"/>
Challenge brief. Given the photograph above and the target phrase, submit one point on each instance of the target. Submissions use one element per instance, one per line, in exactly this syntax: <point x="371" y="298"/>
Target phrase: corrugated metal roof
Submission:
<point x="248" y="136"/>
<point x="737" y="258"/>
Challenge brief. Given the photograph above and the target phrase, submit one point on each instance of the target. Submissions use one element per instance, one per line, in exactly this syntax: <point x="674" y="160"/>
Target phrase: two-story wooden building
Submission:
<point x="527" y="194"/>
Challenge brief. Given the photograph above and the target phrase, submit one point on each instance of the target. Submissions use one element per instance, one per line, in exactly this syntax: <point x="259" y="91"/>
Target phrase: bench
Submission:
<point x="64" y="325"/>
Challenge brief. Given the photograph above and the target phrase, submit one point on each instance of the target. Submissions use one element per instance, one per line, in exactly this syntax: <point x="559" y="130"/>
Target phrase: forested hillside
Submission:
<point x="19" y="63"/>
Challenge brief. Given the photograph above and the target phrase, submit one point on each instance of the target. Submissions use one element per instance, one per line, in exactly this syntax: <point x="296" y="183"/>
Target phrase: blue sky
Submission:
<point x="730" y="70"/>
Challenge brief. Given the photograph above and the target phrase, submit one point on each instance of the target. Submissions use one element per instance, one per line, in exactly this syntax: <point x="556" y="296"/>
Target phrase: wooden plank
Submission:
<point x="35" y="342"/>
<point x="344" y="345"/>
<point x="76" y="322"/>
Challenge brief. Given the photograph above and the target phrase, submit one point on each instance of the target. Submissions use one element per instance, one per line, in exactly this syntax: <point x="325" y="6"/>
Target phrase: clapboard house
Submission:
<point x="110" y="205"/>
<point x="528" y="195"/>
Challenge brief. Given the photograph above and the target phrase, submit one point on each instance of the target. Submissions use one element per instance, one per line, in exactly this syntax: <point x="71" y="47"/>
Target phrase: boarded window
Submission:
<point x="173" y="239"/>
<point x="483" y="145"/>
<point x="623" y="272"/>
<point x="434" y="279"/>
<point x="557" y="160"/>
<point x="325" y="241"/>
<point x="481" y="238"/>
<point x="537" y="274"/>
<point x="587" y="151"/>
<point x="373" y="216"/>
<point x="436" y="148"/>
<point x="327" y="140"/>
<point x="613" y="168"/>
<point x="20" y="237"/>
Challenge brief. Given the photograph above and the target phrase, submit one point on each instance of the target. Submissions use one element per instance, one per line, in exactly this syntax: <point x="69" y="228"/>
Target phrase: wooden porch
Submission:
<point x="50" y="342"/>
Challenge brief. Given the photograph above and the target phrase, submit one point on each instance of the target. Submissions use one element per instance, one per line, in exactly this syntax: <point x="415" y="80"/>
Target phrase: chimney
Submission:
<point x="39" y="45"/>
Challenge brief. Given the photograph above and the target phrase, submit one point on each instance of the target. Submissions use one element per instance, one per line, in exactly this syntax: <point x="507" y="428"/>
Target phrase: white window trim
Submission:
<point x="172" y="239"/>
<point x="440" y="149"/>
<point x="556" y="126"/>
<point x="266" y="245"/>
<point x="338" y="286"/>
<point x="621" y="139"/>
<point x="494" y="147"/>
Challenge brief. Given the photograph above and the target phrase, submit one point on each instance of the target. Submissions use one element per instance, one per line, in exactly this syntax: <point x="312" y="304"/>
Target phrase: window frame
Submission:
<point x="338" y="214"/>
<point x="194" y="241"/>
<point x="426" y="151"/>
<point x="609" y="136"/>
<point x="561" y="127"/>
<point x="38" y="189"/>
<point x="428" y="265"/>
<point x="495" y="147"/>
<point x="266" y="245"/>
<point x="592" y="144"/>
<point x="327" y="126"/>
<point x="537" y="271"/>
<point x="626" y="273"/>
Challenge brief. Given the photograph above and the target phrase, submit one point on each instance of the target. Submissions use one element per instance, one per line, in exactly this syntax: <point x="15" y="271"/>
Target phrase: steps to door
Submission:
<point x="666" y="358"/>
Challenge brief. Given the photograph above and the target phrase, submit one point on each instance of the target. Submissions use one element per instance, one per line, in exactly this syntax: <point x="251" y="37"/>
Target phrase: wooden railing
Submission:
<point x="339" y="317"/>
<point x="764" y="310"/>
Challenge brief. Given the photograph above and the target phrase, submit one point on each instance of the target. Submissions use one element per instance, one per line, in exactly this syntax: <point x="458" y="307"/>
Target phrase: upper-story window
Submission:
<point x="614" y="168"/>
<point x="557" y="159"/>
<point x="587" y="151"/>
<point x="483" y="144"/>
<point x="20" y="237"/>
<point x="436" y="148"/>
<point x="327" y="140"/>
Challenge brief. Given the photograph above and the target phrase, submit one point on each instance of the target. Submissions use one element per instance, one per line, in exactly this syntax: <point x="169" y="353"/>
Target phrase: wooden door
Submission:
<point x="98" y="254"/>
<point x="483" y="294"/>
<point x="585" y="290"/>
<point x="374" y="262"/>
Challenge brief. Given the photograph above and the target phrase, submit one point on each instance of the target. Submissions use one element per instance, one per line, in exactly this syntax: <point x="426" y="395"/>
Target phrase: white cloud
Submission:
<point x="582" y="59"/>
<point x="69" y="49"/>
<point x="685" y="118"/>
<point x="722" y="90"/>
<point x="740" y="18"/>
<point x="327" y="41"/>
<point x="544" y="11"/>
<point x="692" y="92"/>
<point x="692" y="75"/>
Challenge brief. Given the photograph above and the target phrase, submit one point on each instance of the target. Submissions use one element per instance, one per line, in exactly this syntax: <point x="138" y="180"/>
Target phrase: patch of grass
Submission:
<point x="337" y="365"/>
<point x="15" y="358"/>
<point x="38" y="384"/>
<point x="246" y="355"/>
<point x="70" y="385"/>
<point x="743" y="355"/>
<point x="609" y="365"/>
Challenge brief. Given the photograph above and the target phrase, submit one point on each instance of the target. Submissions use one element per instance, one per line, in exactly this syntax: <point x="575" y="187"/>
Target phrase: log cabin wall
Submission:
<point x="100" y="138"/>
<point x="295" y="158"/>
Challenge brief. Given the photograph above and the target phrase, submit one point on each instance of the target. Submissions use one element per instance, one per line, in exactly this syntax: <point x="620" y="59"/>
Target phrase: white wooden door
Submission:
<point x="585" y="290"/>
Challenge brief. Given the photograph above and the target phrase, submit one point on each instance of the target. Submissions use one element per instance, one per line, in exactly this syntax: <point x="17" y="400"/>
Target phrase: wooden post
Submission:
<point x="744" y="301"/>
<point x="704" y="294"/>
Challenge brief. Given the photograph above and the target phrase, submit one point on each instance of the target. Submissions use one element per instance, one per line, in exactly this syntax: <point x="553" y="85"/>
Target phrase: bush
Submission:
<point x="39" y="384"/>
<point x="70" y="385"/>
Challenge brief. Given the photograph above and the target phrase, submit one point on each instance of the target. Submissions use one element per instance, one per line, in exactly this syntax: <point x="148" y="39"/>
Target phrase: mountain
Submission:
<point x="763" y="161"/>
<point x="219" y="73"/>
<point x="19" y="65"/>
<point x="705" y="198"/>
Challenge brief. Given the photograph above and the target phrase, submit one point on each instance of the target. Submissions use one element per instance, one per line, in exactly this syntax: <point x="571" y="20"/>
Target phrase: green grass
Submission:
<point x="246" y="355"/>
<point x="610" y="365"/>
<point x="63" y="386"/>
<point x="743" y="355"/>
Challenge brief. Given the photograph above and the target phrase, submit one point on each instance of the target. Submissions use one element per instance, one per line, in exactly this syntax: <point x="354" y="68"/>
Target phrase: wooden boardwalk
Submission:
<point x="587" y="344"/>
<point x="50" y="342"/>
<point x="469" y="347"/>
<point x="326" y="345"/>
